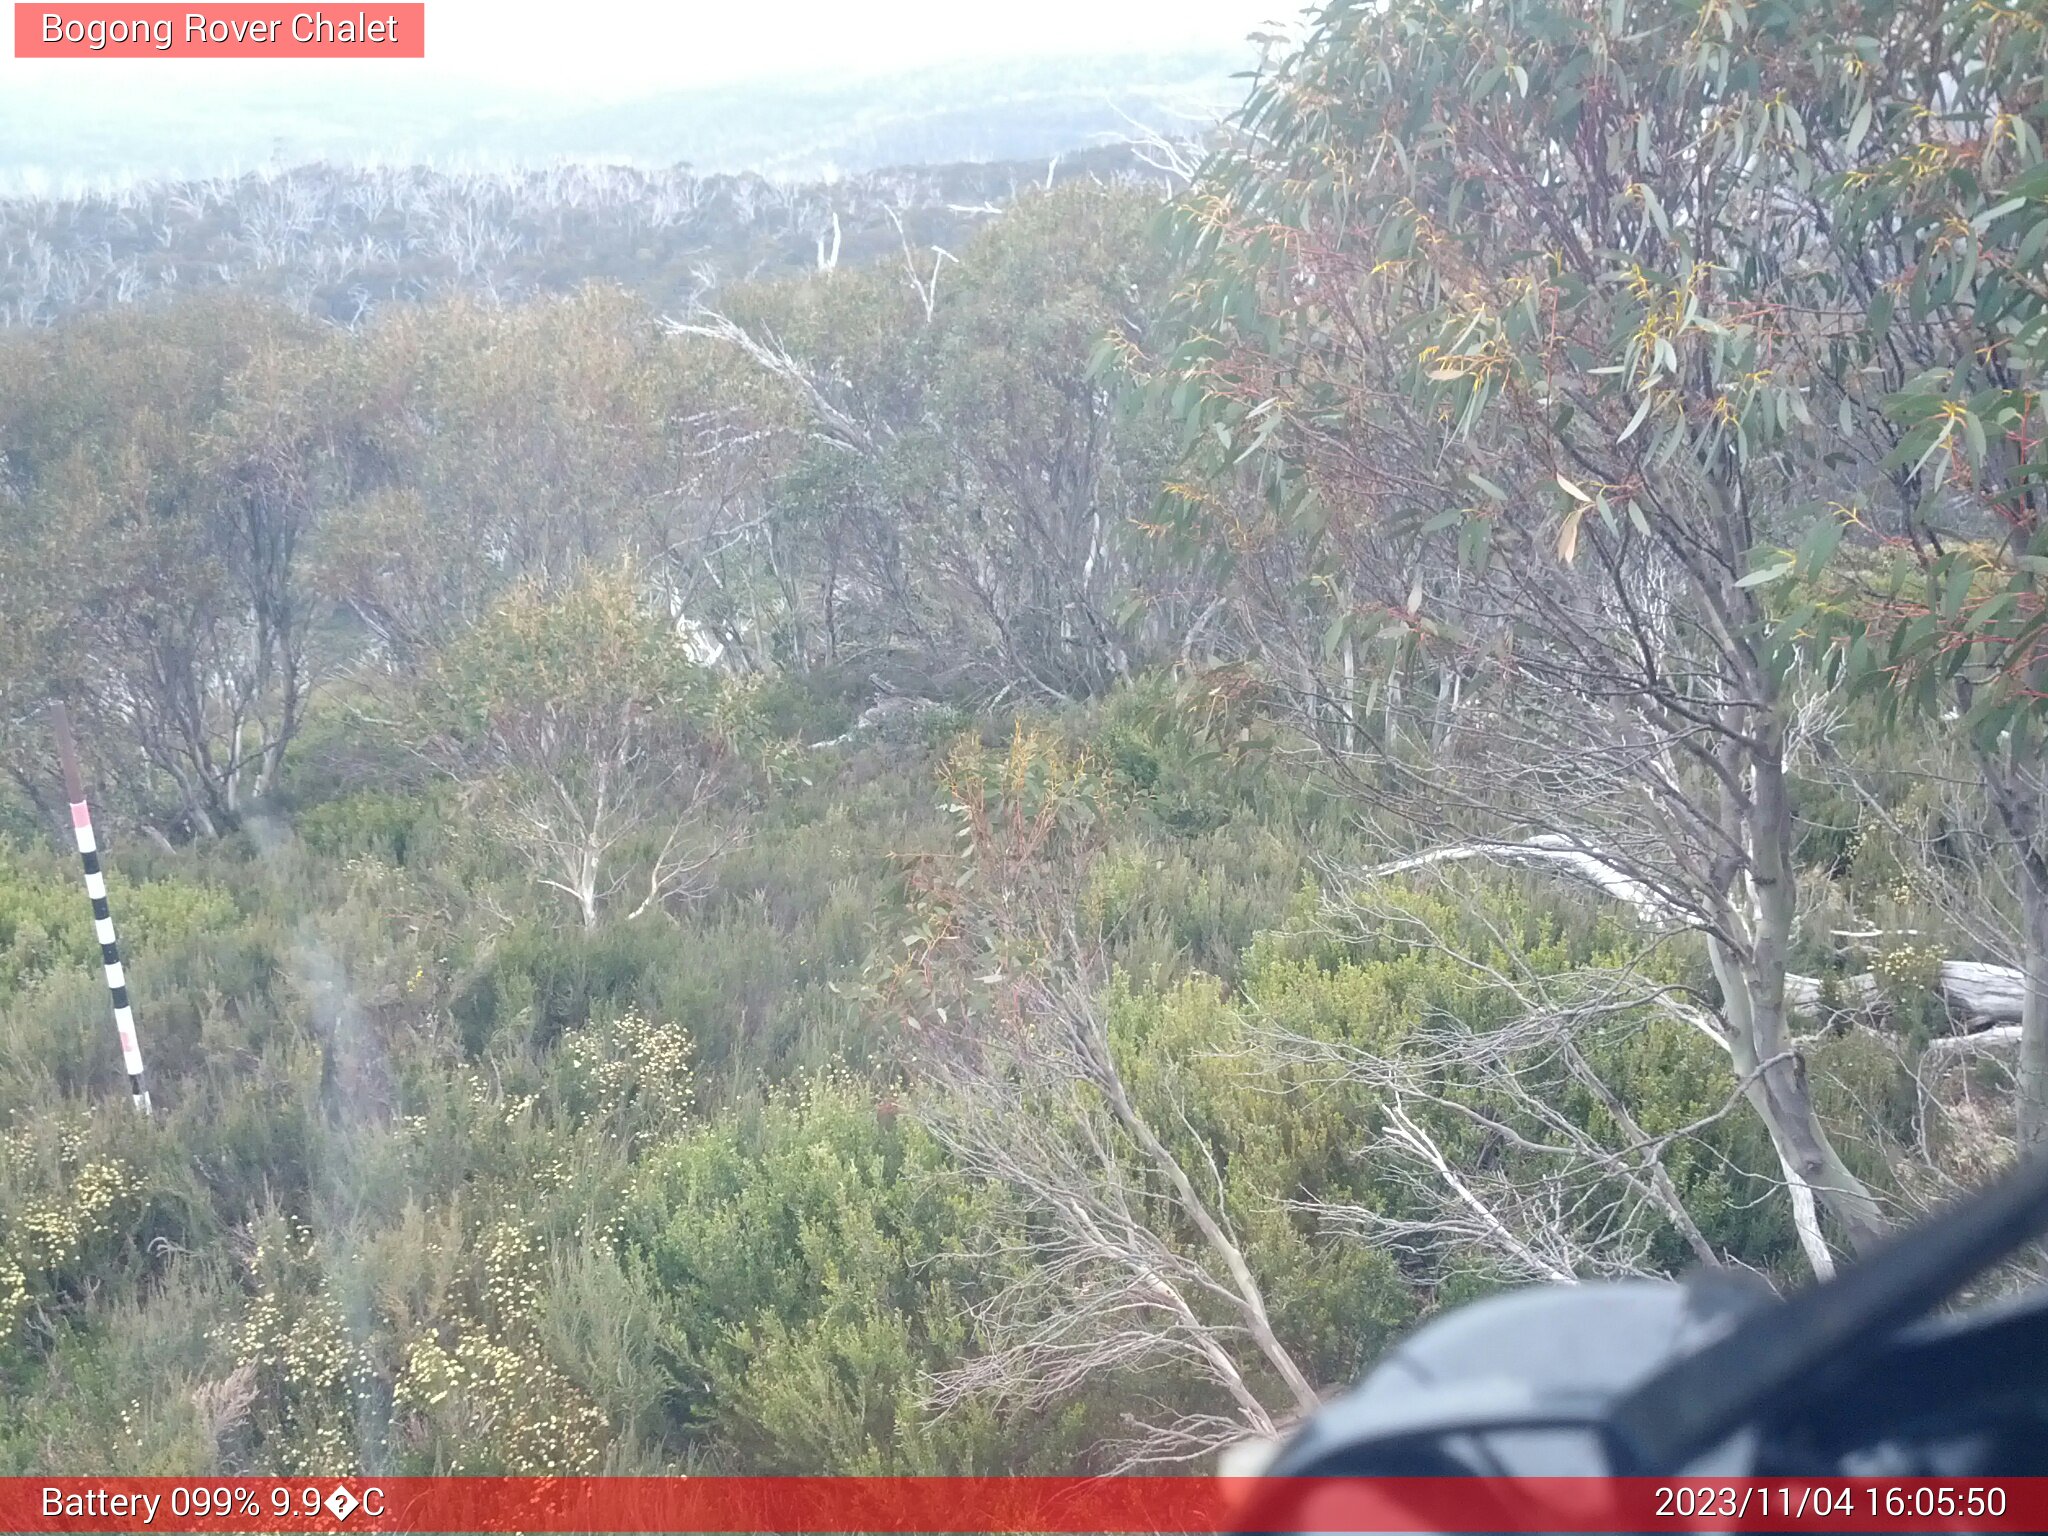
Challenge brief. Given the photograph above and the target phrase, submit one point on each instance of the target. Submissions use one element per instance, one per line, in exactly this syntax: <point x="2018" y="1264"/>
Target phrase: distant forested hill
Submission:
<point x="336" y="242"/>
<point x="338" y="201"/>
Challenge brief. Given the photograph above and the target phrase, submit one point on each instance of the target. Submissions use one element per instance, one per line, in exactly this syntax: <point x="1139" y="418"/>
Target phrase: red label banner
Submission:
<point x="1191" y="1506"/>
<point x="225" y="31"/>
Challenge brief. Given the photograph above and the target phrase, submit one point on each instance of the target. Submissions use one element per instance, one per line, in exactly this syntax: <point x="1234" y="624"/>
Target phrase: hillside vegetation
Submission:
<point x="340" y="242"/>
<point x="1013" y="858"/>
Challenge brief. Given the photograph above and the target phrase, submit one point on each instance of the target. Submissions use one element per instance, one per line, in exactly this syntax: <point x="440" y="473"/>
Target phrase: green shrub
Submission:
<point x="798" y="1246"/>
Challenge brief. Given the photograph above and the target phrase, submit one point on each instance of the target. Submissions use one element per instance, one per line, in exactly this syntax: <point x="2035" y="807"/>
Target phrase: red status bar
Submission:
<point x="222" y="31"/>
<point x="1195" y="1506"/>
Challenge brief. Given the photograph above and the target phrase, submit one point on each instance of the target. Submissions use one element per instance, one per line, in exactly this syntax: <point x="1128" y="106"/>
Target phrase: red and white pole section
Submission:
<point x="102" y="918"/>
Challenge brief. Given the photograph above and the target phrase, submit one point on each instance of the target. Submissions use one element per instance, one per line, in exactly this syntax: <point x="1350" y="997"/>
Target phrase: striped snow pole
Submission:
<point x="102" y="919"/>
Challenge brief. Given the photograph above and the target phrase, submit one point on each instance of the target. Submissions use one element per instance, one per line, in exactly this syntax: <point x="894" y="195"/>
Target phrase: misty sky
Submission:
<point x="615" y="48"/>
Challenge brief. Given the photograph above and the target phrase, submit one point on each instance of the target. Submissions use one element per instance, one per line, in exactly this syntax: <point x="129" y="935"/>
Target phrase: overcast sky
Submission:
<point x="613" y="48"/>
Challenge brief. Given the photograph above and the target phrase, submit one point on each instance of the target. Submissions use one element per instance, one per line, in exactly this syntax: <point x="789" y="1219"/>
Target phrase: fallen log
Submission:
<point x="1978" y="995"/>
<point x="1998" y="1037"/>
<point x="1553" y="851"/>
<point x="1982" y="995"/>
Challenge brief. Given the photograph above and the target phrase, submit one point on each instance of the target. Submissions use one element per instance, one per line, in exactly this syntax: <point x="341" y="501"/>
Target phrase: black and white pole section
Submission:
<point x="102" y="918"/>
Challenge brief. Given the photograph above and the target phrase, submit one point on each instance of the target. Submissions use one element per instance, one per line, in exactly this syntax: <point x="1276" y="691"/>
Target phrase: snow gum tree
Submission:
<point x="1545" y="348"/>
